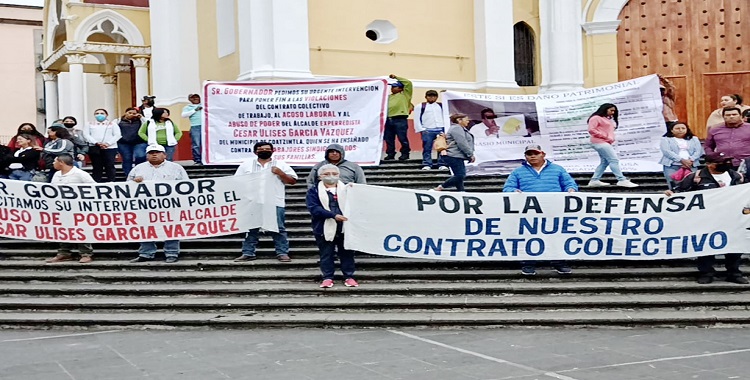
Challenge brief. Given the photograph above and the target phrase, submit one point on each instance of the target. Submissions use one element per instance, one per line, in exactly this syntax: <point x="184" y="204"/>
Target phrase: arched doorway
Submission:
<point x="697" y="44"/>
<point x="524" y="47"/>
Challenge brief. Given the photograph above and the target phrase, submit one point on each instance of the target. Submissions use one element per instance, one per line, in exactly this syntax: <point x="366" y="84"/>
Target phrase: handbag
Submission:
<point x="680" y="174"/>
<point x="440" y="144"/>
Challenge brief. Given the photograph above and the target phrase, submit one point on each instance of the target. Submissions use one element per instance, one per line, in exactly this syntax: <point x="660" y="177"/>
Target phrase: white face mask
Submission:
<point x="329" y="179"/>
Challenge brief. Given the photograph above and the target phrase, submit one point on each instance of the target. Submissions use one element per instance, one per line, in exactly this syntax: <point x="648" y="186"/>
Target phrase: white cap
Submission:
<point x="155" y="147"/>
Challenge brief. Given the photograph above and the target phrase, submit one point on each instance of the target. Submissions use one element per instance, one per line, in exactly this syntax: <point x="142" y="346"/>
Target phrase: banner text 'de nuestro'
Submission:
<point x="547" y="226"/>
<point x="131" y="212"/>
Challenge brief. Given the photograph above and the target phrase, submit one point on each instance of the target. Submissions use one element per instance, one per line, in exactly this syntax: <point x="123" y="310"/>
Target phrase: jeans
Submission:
<point x="458" y="168"/>
<point x="731" y="262"/>
<point x="428" y="139"/>
<point x="327" y="260"/>
<point x="170" y="151"/>
<point x="103" y="163"/>
<point x="21" y="175"/>
<point x="148" y="249"/>
<point x="608" y="158"/>
<point x="132" y="154"/>
<point x="195" y="137"/>
<point x="279" y="238"/>
<point x="396" y="127"/>
<point x="85" y="249"/>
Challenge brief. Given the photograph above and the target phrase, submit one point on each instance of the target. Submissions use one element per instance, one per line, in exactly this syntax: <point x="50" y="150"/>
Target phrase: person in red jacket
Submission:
<point x="602" y="125"/>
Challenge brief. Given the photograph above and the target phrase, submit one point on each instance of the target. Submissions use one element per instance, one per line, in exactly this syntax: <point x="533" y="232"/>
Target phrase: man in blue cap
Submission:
<point x="399" y="105"/>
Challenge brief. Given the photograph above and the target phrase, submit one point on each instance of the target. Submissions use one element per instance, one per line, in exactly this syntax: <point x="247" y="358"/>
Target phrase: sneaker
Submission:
<point x="326" y="283"/>
<point x="389" y="158"/>
<point x="59" y="259"/>
<point x="705" y="279"/>
<point x="85" y="260"/>
<point x="626" y="183"/>
<point x="563" y="269"/>
<point x="738" y="279"/>
<point x="284" y="258"/>
<point x="171" y="260"/>
<point x="245" y="258"/>
<point x="403" y="157"/>
<point x="426" y="167"/>
<point x="443" y="168"/>
<point x="141" y="259"/>
<point x="350" y="282"/>
<point x="528" y="271"/>
<point x="597" y="183"/>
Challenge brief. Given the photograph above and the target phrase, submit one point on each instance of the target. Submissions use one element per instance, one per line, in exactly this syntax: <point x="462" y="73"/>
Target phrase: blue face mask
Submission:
<point x="100" y="117"/>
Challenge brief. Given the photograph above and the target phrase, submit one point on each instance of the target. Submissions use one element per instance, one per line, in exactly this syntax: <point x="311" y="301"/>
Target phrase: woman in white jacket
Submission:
<point x="102" y="135"/>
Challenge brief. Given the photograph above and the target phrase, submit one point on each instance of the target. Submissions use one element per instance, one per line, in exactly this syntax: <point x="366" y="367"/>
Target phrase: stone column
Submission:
<point x="51" y="102"/>
<point x="110" y="94"/>
<point x="141" y="77"/>
<point x="75" y="73"/>
<point x="561" y="45"/>
<point x="274" y="40"/>
<point x="494" y="44"/>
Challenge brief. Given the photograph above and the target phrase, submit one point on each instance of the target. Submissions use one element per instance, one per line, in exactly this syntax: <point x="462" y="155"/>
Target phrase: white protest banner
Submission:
<point x="299" y="118"/>
<point x="546" y="226"/>
<point x="133" y="212"/>
<point x="558" y="122"/>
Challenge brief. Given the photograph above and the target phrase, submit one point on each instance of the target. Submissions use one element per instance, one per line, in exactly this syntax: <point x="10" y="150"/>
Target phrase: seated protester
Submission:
<point x="539" y="175"/>
<point x="325" y="202"/>
<point x="59" y="143"/>
<point x="350" y="171"/>
<point x="25" y="161"/>
<point x="717" y="174"/>
<point x="29" y="129"/>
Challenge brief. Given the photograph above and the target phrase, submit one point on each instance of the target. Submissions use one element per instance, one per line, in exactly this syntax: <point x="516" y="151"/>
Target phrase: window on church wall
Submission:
<point x="524" y="48"/>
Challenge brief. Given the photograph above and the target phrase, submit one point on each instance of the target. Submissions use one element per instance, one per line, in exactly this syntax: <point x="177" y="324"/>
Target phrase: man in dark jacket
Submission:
<point x="350" y="171"/>
<point x="718" y="173"/>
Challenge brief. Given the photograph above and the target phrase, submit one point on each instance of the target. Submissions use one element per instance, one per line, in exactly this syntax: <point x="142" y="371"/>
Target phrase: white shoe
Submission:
<point x="597" y="183"/>
<point x="626" y="183"/>
<point x="426" y="167"/>
<point x="443" y="168"/>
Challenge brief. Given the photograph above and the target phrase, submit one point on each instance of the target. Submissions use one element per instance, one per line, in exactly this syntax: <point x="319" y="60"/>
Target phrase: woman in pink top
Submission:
<point x="602" y="125"/>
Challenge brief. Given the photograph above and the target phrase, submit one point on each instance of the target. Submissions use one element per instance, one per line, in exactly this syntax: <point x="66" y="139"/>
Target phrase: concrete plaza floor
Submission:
<point x="414" y="354"/>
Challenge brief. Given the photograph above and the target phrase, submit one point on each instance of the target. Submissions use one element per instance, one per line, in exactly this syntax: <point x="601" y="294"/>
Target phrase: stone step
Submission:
<point x="407" y="289"/>
<point x="246" y="273"/>
<point x="382" y="303"/>
<point x="340" y="319"/>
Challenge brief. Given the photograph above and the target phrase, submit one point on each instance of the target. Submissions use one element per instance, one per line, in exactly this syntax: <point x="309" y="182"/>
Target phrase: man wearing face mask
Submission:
<point x="284" y="175"/>
<point x="717" y="174"/>
<point x="350" y="171"/>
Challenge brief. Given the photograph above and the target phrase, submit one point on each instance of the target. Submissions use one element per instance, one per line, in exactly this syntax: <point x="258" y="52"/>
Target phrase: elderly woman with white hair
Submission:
<point x="325" y="203"/>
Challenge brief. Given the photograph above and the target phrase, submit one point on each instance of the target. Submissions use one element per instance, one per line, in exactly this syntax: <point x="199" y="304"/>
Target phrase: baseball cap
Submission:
<point x="534" y="147"/>
<point x="155" y="148"/>
<point x="146" y="97"/>
<point x="431" y="93"/>
<point x="717" y="157"/>
<point x="397" y="84"/>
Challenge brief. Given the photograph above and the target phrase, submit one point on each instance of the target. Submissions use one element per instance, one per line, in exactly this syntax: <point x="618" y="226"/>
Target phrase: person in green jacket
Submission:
<point x="399" y="105"/>
<point x="159" y="130"/>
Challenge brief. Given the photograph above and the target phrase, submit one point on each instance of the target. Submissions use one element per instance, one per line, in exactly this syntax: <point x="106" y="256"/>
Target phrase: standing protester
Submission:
<point x="29" y="129"/>
<point x="102" y="135"/>
<point x="602" y="125"/>
<point x="25" y="160"/>
<point x="326" y="201"/>
<point x="539" y="175"/>
<point x="348" y="171"/>
<point x="76" y="137"/>
<point x="67" y="173"/>
<point x="428" y="122"/>
<point x="727" y="101"/>
<point x="131" y="146"/>
<point x="146" y="110"/>
<point x="284" y="175"/>
<point x="193" y="111"/>
<point x="731" y="138"/>
<point x="161" y="131"/>
<point x="58" y="144"/>
<point x="680" y="150"/>
<point x="157" y="169"/>
<point x="718" y="173"/>
<point x="667" y="90"/>
<point x="399" y="106"/>
<point x="460" y="148"/>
